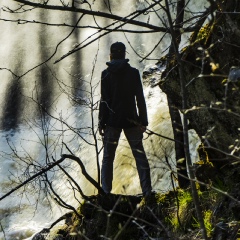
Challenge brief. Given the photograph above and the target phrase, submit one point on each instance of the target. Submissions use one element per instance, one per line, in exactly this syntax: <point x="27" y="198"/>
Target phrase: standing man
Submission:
<point x="122" y="107"/>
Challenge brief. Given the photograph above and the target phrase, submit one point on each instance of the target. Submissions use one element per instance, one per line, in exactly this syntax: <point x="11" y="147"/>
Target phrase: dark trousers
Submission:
<point x="134" y="136"/>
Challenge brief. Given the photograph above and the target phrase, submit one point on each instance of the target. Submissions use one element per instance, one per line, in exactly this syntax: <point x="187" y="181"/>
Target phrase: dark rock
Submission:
<point x="220" y="231"/>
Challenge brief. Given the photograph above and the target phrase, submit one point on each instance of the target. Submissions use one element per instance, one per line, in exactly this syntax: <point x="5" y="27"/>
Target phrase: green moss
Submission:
<point x="203" y="35"/>
<point x="184" y="198"/>
<point x="207" y="218"/>
<point x="182" y="217"/>
<point x="161" y="198"/>
<point x="208" y="221"/>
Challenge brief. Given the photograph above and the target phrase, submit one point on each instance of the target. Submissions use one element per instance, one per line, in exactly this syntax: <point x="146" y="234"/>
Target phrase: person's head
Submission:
<point x="117" y="51"/>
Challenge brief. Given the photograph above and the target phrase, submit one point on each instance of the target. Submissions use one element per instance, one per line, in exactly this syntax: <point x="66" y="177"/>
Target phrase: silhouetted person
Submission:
<point x="122" y="107"/>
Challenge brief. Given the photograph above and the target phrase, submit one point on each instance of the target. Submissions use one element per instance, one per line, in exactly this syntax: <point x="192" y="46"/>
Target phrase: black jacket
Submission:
<point x="122" y="101"/>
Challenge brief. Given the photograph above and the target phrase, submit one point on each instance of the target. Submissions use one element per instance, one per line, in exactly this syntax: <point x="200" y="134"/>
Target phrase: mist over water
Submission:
<point x="61" y="89"/>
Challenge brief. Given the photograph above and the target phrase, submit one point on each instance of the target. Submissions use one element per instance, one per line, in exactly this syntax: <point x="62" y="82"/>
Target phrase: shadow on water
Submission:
<point x="13" y="106"/>
<point x="77" y="70"/>
<point x="13" y="102"/>
<point x="45" y="81"/>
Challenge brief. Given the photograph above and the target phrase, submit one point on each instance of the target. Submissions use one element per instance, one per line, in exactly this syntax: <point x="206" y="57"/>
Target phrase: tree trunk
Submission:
<point x="213" y="100"/>
<point x="173" y="111"/>
<point x="179" y="146"/>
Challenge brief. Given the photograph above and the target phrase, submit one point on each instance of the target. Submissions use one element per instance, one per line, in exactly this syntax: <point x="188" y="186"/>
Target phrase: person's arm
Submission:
<point x="141" y="104"/>
<point x="103" y="108"/>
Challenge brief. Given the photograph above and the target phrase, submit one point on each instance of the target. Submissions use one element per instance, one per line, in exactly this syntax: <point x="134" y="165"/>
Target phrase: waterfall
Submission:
<point x="31" y="135"/>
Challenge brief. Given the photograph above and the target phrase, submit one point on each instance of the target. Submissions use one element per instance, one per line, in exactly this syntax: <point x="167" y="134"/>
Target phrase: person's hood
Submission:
<point x="117" y="65"/>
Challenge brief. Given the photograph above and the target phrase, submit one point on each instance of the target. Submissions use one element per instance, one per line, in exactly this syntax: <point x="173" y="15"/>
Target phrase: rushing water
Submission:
<point x="30" y="136"/>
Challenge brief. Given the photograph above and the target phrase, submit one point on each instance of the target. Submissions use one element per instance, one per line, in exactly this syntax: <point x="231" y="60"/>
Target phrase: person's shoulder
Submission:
<point x="133" y="69"/>
<point x="104" y="75"/>
<point x="135" y="73"/>
<point x="104" y="72"/>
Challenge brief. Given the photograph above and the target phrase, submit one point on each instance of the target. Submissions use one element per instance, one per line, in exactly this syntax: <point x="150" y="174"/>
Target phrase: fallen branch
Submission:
<point x="52" y="165"/>
<point x="84" y="172"/>
<point x="44" y="170"/>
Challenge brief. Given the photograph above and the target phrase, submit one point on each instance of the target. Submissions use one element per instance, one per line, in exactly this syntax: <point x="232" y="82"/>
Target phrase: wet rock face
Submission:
<point x="221" y="231"/>
<point x="234" y="74"/>
<point x="224" y="231"/>
<point x="211" y="75"/>
<point x="41" y="235"/>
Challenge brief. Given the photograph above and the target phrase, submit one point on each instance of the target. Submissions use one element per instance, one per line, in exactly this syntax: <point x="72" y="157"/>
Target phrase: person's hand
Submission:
<point x="143" y="128"/>
<point x="101" y="130"/>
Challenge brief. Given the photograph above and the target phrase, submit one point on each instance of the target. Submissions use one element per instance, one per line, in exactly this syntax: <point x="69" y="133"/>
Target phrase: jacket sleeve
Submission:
<point x="141" y="104"/>
<point x="104" y="101"/>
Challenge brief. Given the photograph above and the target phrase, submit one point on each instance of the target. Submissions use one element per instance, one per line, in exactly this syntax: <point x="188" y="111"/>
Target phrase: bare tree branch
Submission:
<point x="44" y="170"/>
<point x="59" y="200"/>
<point x="94" y="13"/>
<point x="25" y="21"/>
<point x="52" y="165"/>
<point x="9" y="70"/>
<point x="49" y="58"/>
<point x="79" y="47"/>
<point x="84" y="172"/>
